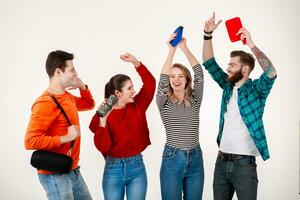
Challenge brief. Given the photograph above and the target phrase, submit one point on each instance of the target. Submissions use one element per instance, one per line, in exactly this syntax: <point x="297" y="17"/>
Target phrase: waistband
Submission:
<point x="123" y="160"/>
<point x="192" y="150"/>
<point x="233" y="157"/>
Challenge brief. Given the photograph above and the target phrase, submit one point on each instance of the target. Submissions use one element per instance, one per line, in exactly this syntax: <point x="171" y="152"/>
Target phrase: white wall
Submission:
<point x="97" y="32"/>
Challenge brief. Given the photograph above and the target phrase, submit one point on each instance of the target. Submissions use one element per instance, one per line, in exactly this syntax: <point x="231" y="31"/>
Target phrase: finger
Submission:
<point x="219" y="22"/>
<point x="239" y="32"/>
<point x="72" y="88"/>
<point x="214" y="15"/>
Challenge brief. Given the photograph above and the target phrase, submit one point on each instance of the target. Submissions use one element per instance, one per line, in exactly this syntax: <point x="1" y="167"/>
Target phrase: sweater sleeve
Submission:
<point x="85" y="101"/>
<point x="44" y="112"/>
<point x="198" y="83"/>
<point x="102" y="136"/>
<point x="163" y="88"/>
<point x="145" y="95"/>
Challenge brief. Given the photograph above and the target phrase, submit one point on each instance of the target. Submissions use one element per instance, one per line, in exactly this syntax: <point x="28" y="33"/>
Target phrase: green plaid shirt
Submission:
<point x="252" y="97"/>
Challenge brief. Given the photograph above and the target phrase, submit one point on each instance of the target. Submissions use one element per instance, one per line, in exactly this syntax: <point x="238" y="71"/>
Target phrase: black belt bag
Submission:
<point x="51" y="161"/>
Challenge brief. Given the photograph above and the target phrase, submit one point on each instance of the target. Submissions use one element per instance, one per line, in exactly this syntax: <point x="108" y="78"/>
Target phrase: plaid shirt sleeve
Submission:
<point x="216" y="72"/>
<point x="264" y="84"/>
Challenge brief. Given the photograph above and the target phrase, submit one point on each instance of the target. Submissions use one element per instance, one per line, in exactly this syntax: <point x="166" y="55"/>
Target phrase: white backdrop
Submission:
<point x="97" y="32"/>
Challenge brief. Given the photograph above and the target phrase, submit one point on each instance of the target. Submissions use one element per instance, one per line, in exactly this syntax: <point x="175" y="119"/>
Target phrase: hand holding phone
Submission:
<point x="233" y="26"/>
<point x="178" y="37"/>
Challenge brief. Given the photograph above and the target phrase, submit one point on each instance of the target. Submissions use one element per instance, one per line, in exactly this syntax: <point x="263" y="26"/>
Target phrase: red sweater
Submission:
<point x="126" y="132"/>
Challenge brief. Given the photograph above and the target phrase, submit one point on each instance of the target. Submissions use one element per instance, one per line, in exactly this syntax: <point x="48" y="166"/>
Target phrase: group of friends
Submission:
<point x="122" y="134"/>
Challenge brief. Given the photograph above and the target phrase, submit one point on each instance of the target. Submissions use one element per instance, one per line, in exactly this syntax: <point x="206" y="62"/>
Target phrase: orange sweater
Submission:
<point x="47" y="123"/>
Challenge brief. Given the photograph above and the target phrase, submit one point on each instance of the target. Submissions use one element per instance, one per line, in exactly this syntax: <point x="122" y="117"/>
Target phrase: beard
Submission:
<point x="237" y="76"/>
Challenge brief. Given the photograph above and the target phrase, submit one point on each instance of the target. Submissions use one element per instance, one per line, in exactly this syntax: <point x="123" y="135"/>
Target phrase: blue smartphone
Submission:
<point x="178" y="37"/>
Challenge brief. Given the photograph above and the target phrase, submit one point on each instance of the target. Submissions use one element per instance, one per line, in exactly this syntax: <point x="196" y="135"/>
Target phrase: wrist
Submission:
<point x="251" y="45"/>
<point x="207" y="35"/>
<point x="63" y="139"/>
<point x="82" y="87"/>
<point x="136" y="64"/>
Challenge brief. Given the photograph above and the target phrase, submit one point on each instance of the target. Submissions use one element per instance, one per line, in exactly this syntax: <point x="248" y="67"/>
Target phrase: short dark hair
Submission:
<point x="57" y="59"/>
<point x="245" y="58"/>
<point x="115" y="83"/>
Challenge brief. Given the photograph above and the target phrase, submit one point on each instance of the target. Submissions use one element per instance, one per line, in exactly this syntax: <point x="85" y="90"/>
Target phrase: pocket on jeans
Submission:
<point x="168" y="153"/>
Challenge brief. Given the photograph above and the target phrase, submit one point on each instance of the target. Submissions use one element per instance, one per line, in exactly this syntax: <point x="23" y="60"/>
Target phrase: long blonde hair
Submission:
<point x="188" y="87"/>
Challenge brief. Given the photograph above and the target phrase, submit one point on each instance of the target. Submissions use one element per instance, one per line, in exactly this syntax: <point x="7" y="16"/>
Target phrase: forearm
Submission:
<point x="85" y="101"/>
<point x="168" y="63"/>
<point x="191" y="58"/>
<point x="207" y="51"/>
<point x="264" y="62"/>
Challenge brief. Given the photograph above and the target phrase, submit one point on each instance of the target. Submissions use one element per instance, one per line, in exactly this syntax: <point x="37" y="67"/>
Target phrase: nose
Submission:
<point x="75" y="73"/>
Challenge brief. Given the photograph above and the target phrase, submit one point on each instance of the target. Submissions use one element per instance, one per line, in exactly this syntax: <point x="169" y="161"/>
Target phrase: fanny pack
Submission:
<point x="51" y="161"/>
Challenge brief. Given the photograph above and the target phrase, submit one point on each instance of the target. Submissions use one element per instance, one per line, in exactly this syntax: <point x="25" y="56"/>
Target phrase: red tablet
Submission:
<point x="233" y="26"/>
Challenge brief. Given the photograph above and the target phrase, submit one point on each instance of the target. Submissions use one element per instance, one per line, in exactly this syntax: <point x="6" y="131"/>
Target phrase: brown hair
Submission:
<point x="57" y="59"/>
<point x="116" y="82"/>
<point x="188" y="86"/>
<point x="245" y="58"/>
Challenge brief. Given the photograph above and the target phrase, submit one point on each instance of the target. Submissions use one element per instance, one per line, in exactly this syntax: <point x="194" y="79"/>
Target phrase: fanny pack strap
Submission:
<point x="65" y="115"/>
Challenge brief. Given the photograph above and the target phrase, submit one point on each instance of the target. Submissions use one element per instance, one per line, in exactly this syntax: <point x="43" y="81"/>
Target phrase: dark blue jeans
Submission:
<point x="181" y="171"/>
<point x="238" y="176"/>
<point x="124" y="175"/>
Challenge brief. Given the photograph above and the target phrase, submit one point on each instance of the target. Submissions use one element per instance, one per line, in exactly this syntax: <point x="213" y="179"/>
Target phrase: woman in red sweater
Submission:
<point x="122" y="134"/>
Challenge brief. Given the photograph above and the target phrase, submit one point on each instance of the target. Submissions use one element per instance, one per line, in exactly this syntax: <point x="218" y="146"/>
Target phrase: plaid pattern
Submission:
<point x="252" y="97"/>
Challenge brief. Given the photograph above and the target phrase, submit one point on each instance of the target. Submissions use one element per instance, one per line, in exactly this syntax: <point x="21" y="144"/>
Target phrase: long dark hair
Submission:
<point x="115" y="83"/>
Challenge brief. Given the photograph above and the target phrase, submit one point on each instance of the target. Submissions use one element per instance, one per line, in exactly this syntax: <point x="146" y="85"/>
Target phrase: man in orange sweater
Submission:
<point x="49" y="130"/>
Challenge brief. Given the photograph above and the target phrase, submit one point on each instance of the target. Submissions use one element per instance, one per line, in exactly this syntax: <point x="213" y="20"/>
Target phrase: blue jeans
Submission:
<point x="235" y="175"/>
<point x="69" y="186"/>
<point x="182" y="170"/>
<point x="124" y="174"/>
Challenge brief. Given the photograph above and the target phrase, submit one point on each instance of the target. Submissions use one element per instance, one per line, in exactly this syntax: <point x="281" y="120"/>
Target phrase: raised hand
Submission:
<point x="210" y="25"/>
<point x="77" y="83"/>
<point x="182" y="44"/>
<point x="127" y="57"/>
<point x="172" y="37"/>
<point x="245" y="34"/>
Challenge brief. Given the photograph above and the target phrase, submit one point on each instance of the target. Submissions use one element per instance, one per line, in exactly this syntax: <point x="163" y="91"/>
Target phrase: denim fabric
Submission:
<point x="182" y="174"/>
<point x="124" y="175"/>
<point x="69" y="186"/>
<point x="238" y="176"/>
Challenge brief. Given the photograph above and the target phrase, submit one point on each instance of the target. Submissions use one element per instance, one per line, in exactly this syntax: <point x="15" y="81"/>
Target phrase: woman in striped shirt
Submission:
<point x="179" y="105"/>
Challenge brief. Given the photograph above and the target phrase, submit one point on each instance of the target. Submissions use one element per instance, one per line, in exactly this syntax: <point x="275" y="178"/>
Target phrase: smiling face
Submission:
<point x="67" y="76"/>
<point x="127" y="92"/>
<point x="178" y="80"/>
<point x="234" y="70"/>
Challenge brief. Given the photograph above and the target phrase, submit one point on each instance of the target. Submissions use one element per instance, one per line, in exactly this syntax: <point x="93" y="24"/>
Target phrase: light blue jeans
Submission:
<point x="124" y="175"/>
<point x="181" y="171"/>
<point x="69" y="186"/>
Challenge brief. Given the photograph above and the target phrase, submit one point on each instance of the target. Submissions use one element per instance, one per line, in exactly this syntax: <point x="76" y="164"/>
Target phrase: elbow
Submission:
<point x="28" y="144"/>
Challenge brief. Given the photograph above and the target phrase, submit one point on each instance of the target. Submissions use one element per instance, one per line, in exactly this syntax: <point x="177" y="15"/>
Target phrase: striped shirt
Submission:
<point x="181" y="122"/>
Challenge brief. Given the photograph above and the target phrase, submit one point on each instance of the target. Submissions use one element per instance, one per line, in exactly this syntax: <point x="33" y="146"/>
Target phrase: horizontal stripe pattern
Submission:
<point x="181" y="122"/>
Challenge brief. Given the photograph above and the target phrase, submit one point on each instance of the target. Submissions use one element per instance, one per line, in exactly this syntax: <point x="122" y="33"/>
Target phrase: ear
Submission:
<point x="118" y="93"/>
<point x="246" y="69"/>
<point x="57" y="71"/>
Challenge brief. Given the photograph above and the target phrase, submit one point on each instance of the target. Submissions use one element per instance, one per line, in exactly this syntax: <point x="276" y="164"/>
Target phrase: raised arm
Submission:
<point x="208" y="55"/>
<point x="198" y="77"/>
<point x="163" y="85"/>
<point x="262" y="59"/>
<point x="265" y="82"/>
<point x="145" y="95"/>
<point x="209" y="26"/>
